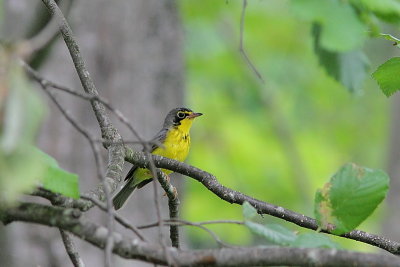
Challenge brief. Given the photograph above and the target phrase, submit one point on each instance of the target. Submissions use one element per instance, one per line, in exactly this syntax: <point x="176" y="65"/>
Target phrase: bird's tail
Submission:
<point x="123" y="195"/>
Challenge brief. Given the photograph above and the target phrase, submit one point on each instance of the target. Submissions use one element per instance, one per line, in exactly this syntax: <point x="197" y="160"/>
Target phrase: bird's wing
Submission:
<point x="156" y="141"/>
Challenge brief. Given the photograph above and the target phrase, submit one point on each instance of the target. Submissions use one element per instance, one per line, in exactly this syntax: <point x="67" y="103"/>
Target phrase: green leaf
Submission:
<point x="59" y="181"/>
<point x="314" y="240"/>
<point x="22" y="165"/>
<point x="390" y="37"/>
<point x="275" y="233"/>
<point x="19" y="173"/>
<point x="388" y="10"/>
<point x="350" y="196"/>
<point x="341" y="29"/>
<point x="56" y="179"/>
<point x="249" y="212"/>
<point x="388" y="76"/>
<point x="23" y="111"/>
<point x="348" y="68"/>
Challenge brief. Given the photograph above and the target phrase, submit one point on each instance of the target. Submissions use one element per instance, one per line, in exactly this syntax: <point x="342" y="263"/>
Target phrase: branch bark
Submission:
<point x="70" y="220"/>
<point x="71" y="250"/>
<point x="173" y="205"/>
<point x="108" y="131"/>
<point x="232" y="196"/>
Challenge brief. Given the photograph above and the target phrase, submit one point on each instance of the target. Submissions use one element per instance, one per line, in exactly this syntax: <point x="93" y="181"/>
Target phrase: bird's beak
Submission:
<point x="194" y="115"/>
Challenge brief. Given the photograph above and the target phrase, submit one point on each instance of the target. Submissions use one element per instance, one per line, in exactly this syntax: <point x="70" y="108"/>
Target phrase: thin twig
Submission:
<point x="99" y="168"/>
<point x="180" y="222"/>
<point x="89" y="97"/>
<point x="280" y="126"/>
<point x="107" y="129"/>
<point x="241" y="45"/>
<point x="173" y="202"/>
<point x="44" y="37"/>
<point x="110" y="212"/>
<point x="117" y="217"/>
<point x="71" y="250"/>
<point x="155" y="173"/>
<point x="102" y="100"/>
<point x="80" y="66"/>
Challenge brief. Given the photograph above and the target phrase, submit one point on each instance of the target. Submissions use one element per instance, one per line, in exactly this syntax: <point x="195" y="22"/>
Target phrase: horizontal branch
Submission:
<point x="70" y="220"/>
<point x="232" y="196"/>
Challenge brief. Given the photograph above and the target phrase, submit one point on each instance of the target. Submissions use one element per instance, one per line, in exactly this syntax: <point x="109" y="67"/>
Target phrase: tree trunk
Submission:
<point x="133" y="50"/>
<point x="391" y="223"/>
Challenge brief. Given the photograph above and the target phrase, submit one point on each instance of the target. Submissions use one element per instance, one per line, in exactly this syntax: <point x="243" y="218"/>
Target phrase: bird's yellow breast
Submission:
<point x="176" y="145"/>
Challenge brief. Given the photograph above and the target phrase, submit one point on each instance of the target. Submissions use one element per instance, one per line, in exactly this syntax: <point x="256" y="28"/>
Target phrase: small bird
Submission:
<point x="172" y="141"/>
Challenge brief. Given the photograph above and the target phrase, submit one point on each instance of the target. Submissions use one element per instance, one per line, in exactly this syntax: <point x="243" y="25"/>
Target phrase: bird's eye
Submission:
<point x="181" y="115"/>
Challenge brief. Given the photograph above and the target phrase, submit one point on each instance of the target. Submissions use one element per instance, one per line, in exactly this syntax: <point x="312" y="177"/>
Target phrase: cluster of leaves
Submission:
<point x="23" y="166"/>
<point x="340" y="29"/>
<point x="351" y="195"/>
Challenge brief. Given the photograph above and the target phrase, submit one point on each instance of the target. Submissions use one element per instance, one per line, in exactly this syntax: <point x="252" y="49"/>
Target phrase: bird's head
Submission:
<point x="181" y="118"/>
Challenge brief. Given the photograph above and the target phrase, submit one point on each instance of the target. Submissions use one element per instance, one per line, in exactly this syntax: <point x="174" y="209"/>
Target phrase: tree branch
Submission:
<point x="118" y="218"/>
<point x="71" y="250"/>
<point x="241" y="45"/>
<point x="80" y="66"/>
<point x="232" y="196"/>
<point x="173" y="205"/>
<point x="70" y="220"/>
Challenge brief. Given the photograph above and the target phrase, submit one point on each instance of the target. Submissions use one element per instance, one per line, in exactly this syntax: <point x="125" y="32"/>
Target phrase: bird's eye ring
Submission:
<point x="181" y="115"/>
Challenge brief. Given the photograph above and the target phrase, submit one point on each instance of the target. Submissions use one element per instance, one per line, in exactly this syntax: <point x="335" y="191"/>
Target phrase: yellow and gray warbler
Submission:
<point x="172" y="141"/>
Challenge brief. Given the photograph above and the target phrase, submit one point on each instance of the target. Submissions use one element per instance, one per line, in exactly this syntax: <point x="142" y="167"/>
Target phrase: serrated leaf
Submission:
<point x="274" y="233"/>
<point x="350" y="196"/>
<point x="341" y="29"/>
<point x="387" y="76"/>
<point x="348" y="68"/>
<point x="314" y="240"/>
<point x="249" y="212"/>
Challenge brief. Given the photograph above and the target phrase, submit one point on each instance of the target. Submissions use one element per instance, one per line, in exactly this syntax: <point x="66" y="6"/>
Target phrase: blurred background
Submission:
<point x="277" y="141"/>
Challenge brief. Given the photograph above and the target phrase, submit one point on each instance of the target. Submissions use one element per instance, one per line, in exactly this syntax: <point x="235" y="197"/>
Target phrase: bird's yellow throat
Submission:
<point x="177" y="142"/>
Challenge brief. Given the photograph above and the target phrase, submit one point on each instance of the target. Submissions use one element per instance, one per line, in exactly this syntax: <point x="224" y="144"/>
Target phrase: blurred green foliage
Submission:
<point x="21" y="111"/>
<point x="277" y="234"/>
<point x="239" y="139"/>
<point x="22" y="165"/>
